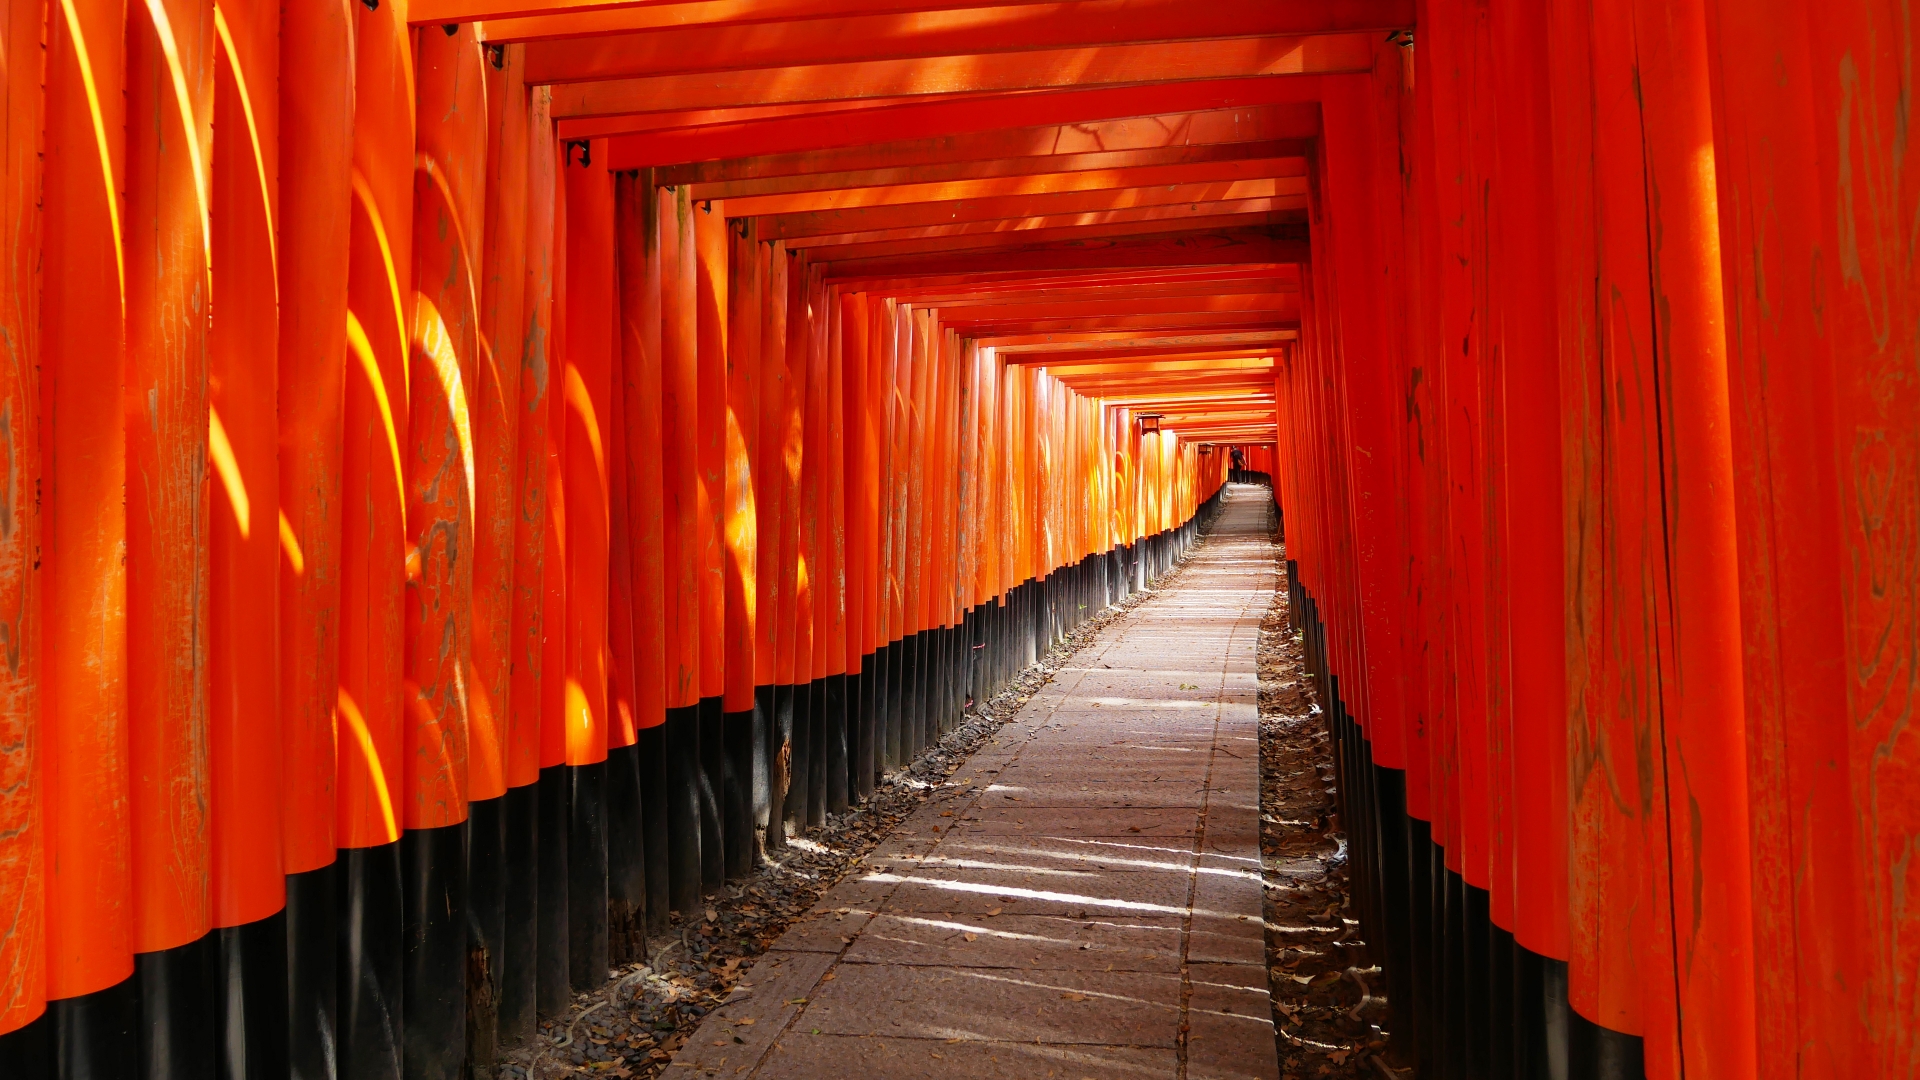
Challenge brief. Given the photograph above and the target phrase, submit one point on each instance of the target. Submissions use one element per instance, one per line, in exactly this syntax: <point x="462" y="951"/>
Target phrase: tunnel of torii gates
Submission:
<point x="478" y="471"/>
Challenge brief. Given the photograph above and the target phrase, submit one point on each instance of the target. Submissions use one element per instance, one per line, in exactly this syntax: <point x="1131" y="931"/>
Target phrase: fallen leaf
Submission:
<point x="950" y="1042"/>
<point x="830" y="976"/>
<point x="748" y="1022"/>
<point x="991" y="912"/>
<point x="971" y="937"/>
<point x="1070" y="996"/>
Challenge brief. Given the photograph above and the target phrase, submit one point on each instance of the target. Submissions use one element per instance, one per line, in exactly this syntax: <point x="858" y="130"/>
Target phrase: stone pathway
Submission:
<point x="1081" y="900"/>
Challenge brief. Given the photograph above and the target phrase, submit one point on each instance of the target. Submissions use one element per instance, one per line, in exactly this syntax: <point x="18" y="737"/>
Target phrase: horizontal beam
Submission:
<point x="1159" y="131"/>
<point x="642" y="14"/>
<point x="1250" y="366"/>
<point x="1120" y="232"/>
<point x="837" y="124"/>
<point x="996" y="167"/>
<point x="1136" y="220"/>
<point x="1191" y="382"/>
<point x="1017" y="343"/>
<point x="1164" y="322"/>
<point x="1018" y="288"/>
<point x="1006" y="187"/>
<point x="963" y="315"/>
<point x="1119" y="65"/>
<point x="536" y="20"/>
<point x="1000" y="281"/>
<point x="1018" y="27"/>
<point x="855" y="219"/>
<point x="1195" y="384"/>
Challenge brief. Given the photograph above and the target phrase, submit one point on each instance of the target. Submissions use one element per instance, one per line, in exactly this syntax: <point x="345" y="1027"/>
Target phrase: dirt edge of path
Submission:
<point x="1327" y="1011"/>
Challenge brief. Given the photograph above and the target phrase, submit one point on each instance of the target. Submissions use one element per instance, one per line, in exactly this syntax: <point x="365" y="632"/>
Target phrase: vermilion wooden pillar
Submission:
<point x="518" y="986"/>
<point x="443" y="374"/>
<point x="245" y="789"/>
<point x="745" y="483"/>
<point x="834" y="608"/>
<point x="707" y="225"/>
<point x="861" y="507"/>
<point x="1705" y="817"/>
<point x="796" y="646"/>
<point x="586" y="387"/>
<point x="625" y="826"/>
<point x="1810" y="909"/>
<point x="170" y="61"/>
<point x="638" y="252"/>
<point x="553" y="980"/>
<point x="773" y="584"/>
<point x="494" y="401"/>
<point x="1606" y="860"/>
<point x="1535" y="521"/>
<point x="83" y="764"/>
<point x="681" y="549"/>
<point x="1857" y="93"/>
<point x="805" y="364"/>
<point x="371" y="741"/>
<point x="23" y="957"/>
<point x="311" y="246"/>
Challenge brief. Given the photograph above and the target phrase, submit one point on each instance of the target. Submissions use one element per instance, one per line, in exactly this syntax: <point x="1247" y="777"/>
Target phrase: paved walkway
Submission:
<point x="1081" y="900"/>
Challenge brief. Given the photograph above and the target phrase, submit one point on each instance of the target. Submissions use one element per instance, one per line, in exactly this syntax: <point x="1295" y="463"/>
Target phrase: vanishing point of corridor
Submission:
<point x="1083" y="897"/>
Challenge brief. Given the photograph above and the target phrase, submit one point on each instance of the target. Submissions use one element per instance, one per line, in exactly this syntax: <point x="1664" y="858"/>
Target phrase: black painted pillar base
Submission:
<point x="650" y="751"/>
<point x="626" y="859"/>
<point x="250" y="972"/>
<point x="880" y="666"/>
<point x="28" y="1049"/>
<point x="836" y="727"/>
<point x="761" y="791"/>
<point x="713" y="767"/>
<point x="898" y="753"/>
<point x="739" y="842"/>
<point x="817" y="753"/>
<point x="434" y="862"/>
<point x="683" y="808"/>
<point x="372" y="941"/>
<point x="519" y="960"/>
<point x="176" y="1009"/>
<point x="864" y="765"/>
<point x="313" y="972"/>
<point x="1421" y="1029"/>
<point x="800" y="757"/>
<point x="911" y="736"/>
<point x="587" y="876"/>
<point x="553" y="991"/>
<point x="486" y="930"/>
<point x="779" y="768"/>
<point x="92" y="1037"/>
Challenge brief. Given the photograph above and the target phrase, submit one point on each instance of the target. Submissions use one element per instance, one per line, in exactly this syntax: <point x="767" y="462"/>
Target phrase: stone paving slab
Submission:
<point x="1100" y="1008"/>
<point x="1081" y="821"/>
<point x="1029" y="942"/>
<point x="1082" y="900"/>
<point x="809" y="1057"/>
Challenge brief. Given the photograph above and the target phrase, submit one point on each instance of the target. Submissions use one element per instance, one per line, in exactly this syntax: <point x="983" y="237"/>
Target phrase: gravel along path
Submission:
<point x="1327" y="1011"/>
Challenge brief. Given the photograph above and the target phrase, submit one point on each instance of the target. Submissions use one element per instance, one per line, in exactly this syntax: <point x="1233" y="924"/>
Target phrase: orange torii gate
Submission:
<point x="481" y="470"/>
